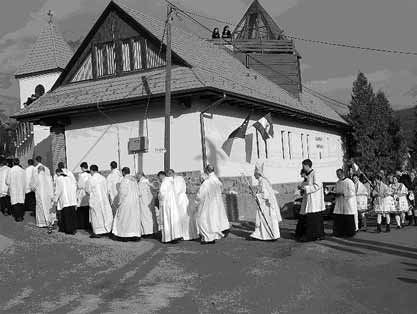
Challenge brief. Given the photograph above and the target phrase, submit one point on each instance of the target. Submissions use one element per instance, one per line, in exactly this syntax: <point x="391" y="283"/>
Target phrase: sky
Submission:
<point x="385" y="24"/>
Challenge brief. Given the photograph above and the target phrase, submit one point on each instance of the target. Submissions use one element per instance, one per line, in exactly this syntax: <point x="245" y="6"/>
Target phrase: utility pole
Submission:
<point x="167" y="156"/>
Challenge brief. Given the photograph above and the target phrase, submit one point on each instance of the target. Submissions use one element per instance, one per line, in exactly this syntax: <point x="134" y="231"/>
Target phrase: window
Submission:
<point x="283" y="144"/>
<point x="308" y="146"/>
<point x="85" y="71"/>
<point x="137" y="55"/>
<point x="126" y="57"/>
<point x="289" y="145"/>
<point x="105" y="59"/>
<point x="153" y="60"/>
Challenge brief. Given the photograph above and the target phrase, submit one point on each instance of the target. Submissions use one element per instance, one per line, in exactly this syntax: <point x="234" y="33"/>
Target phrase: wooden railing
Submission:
<point x="255" y="45"/>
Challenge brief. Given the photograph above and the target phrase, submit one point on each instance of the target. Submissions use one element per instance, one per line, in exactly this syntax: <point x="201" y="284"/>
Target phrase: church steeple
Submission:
<point x="257" y="24"/>
<point x="50" y="52"/>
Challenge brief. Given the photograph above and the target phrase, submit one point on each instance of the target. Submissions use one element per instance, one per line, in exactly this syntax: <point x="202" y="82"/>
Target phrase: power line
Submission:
<point x="322" y="42"/>
<point x="351" y="46"/>
<point x="309" y="90"/>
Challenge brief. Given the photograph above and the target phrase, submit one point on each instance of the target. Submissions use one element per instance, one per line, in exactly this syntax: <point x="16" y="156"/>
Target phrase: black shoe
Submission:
<point x="378" y="228"/>
<point x="209" y="242"/>
<point x="399" y="227"/>
<point x="226" y="233"/>
<point x="388" y="229"/>
<point x="95" y="236"/>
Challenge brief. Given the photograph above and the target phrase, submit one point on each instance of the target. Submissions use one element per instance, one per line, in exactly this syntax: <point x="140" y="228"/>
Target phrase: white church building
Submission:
<point x="112" y="90"/>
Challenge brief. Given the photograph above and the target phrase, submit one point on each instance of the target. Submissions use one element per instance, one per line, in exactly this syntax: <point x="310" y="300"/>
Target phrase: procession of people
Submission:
<point x="128" y="206"/>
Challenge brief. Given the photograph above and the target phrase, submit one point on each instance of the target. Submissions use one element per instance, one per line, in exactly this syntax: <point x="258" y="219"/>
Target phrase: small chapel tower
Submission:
<point x="42" y="67"/>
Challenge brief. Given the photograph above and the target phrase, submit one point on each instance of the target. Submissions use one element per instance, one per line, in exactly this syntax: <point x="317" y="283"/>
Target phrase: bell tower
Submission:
<point x="38" y="73"/>
<point x="275" y="56"/>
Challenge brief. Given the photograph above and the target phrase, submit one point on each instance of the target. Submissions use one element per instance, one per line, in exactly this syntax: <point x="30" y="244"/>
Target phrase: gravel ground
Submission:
<point x="41" y="273"/>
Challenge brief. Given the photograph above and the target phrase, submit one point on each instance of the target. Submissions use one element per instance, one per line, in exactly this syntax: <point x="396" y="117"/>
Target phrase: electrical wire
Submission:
<point x="229" y="42"/>
<point x="322" y="42"/>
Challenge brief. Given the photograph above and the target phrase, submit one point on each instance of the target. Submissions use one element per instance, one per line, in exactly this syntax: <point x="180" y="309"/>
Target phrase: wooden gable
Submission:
<point x="116" y="45"/>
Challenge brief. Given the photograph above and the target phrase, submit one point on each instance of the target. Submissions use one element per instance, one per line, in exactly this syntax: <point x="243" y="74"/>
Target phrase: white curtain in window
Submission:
<point x="137" y="55"/>
<point x="111" y="58"/>
<point x="126" y="56"/>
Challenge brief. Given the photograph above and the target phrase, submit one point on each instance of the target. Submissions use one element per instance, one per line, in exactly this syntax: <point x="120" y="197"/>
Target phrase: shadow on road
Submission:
<point x="380" y="247"/>
<point x="407" y="280"/>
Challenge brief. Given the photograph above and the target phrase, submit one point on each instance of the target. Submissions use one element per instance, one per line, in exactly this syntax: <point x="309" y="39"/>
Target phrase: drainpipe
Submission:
<point x="203" y="133"/>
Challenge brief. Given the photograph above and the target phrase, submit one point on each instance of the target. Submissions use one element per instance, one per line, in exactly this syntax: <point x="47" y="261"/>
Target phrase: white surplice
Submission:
<point x="267" y="221"/>
<point x="65" y="192"/>
<point x="170" y="220"/>
<point x="101" y="215"/>
<point x="188" y="224"/>
<point x="113" y="181"/>
<point x="147" y="207"/>
<point x="83" y="198"/>
<point x="43" y="187"/>
<point x="4" y="188"/>
<point x="346" y="203"/>
<point x="211" y="216"/>
<point x="126" y="222"/>
<point x="30" y="172"/>
<point x="313" y="198"/>
<point x="16" y="181"/>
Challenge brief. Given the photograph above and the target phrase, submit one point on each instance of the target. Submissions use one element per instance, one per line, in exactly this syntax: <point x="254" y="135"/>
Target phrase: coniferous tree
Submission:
<point x="360" y="143"/>
<point x="376" y="139"/>
<point x="414" y="145"/>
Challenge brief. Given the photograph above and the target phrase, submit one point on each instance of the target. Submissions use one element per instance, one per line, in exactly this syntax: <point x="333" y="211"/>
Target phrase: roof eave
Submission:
<point x="301" y="115"/>
<point x="291" y="111"/>
<point x="20" y="75"/>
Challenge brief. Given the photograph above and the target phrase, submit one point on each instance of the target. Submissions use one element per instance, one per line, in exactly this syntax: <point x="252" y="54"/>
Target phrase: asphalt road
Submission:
<point x="41" y="273"/>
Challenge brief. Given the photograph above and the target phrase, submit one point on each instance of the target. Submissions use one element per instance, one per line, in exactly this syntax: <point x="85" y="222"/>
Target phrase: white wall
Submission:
<point x="85" y="142"/>
<point x="27" y="84"/>
<point x="280" y="167"/>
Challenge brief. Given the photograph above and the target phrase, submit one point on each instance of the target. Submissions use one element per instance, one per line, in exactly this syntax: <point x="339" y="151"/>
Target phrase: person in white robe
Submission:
<point x="83" y="199"/>
<point x="268" y="215"/>
<point x="68" y="173"/>
<point x="113" y="182"/>
<point x="43" y="187"/>
<point x="362" y="195"/>
<point x="30" y="199"/>
<point x="101" y="215"/>
<point x="212" y="219"/>
<point x="148" y="220"/>
<point x="4" y="188"/>
<point x="16" y="181"/>
<point x="66" y="199"/>
<point x="187" y="217"/>
<point x="345" y="207"/>
<point x="170" y="221"/>
<point x="310" y="225"/>
<point x="126" y="223"/>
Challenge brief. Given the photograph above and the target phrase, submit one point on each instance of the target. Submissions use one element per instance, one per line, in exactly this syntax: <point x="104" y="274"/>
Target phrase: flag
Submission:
<point x="240" y="132"/>
<point x="265" y="127"/>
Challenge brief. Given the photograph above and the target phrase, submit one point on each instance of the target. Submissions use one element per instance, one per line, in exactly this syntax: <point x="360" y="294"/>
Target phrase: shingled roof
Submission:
<point x="49" y="52"/>
<point x="211" y="67"/>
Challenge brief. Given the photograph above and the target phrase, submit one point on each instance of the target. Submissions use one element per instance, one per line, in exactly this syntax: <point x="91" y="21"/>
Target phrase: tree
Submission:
<point x="414" y="144"/>
<point x="360" y="141"/>
<point x="376" y="140"/>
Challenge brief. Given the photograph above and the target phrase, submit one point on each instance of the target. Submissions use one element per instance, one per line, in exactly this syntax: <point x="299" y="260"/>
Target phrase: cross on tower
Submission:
<point x="51" y="15"/>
